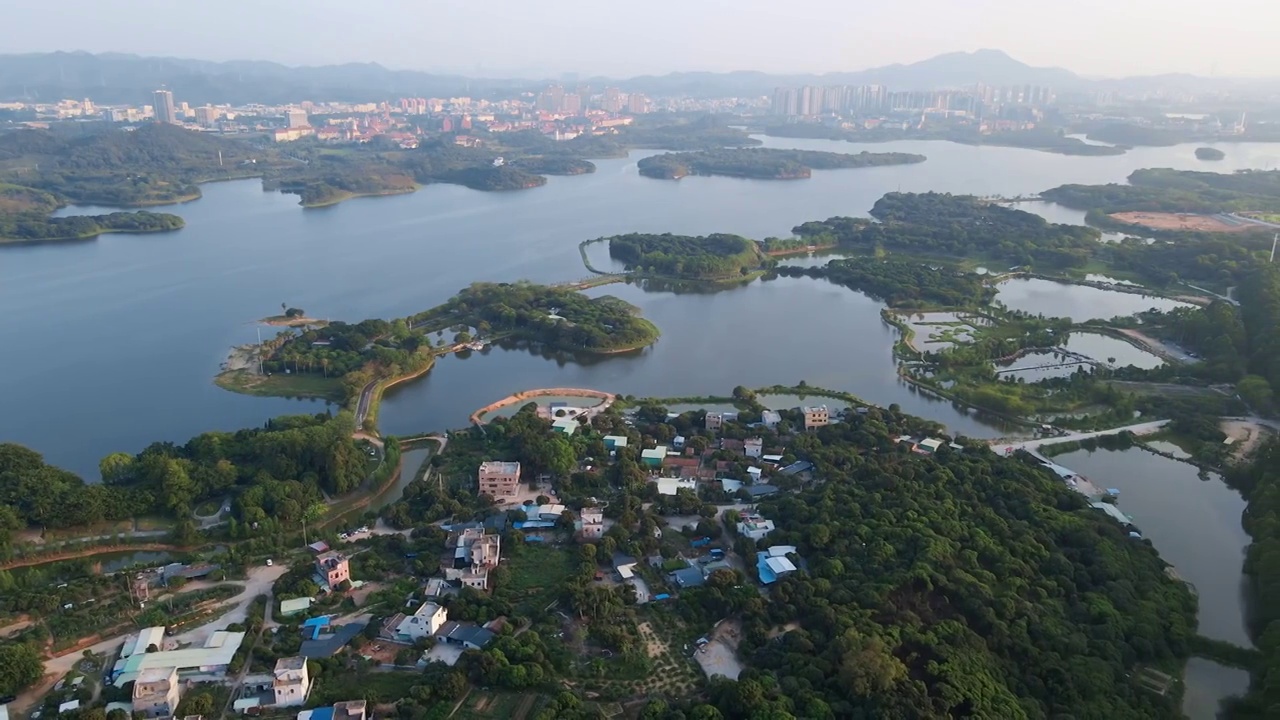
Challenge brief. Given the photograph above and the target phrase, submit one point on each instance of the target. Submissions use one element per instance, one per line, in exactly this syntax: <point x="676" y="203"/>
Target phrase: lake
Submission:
<point x="112" y="344"/>
<point x="1195" y="525"/>
<point x="1077" y="302"/>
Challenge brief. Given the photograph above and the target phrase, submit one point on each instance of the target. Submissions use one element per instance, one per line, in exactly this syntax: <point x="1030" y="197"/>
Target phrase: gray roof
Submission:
<point x="760" y="490"/>
<point x="688" y="577"/>
<point x="329" y="646"/>
<point x="796" y="467"/>
<point x="472" y="634"/>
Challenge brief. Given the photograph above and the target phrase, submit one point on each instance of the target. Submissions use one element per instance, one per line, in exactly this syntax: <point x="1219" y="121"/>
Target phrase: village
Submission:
<point x="618" y="567"/>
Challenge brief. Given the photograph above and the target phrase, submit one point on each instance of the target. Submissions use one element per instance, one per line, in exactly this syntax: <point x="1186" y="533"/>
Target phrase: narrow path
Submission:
<point x="88" y="552"/>
<point x="1145" y="428"/>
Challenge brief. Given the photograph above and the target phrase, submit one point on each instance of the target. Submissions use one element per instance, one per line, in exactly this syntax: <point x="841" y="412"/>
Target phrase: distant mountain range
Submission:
<point x="121" y="78"/>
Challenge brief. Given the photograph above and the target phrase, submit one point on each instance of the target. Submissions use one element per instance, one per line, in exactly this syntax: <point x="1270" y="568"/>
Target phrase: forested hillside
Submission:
<point x="273" y="472"/>
<point x="964" y="585"/>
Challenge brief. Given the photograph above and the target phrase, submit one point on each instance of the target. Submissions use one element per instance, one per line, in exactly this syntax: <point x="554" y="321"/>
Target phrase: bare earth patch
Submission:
<point x="1180" y="221"/>
<point x="1247" y="437"/>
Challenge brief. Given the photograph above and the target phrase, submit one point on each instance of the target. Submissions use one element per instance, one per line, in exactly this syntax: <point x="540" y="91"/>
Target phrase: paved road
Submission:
<point x="259" y="583"/>
<point x="1145" y="428"/>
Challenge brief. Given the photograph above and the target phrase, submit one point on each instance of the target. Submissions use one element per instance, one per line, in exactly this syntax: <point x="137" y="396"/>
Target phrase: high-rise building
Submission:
<point x="571" y="104"/>
<point x="207" y="116"/>
<point x="637" y="104"/>
<point x="162" y="101"/>
<point x="297" y="118"/>
<point x="612" y="101"/>
<point x="551" y="100"/>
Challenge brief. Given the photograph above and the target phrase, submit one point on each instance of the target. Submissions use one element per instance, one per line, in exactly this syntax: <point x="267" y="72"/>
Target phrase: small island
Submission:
<point x="338" y="361"/>
<point x="763" y="163"/>
<point x="1208" y="153"/>
<point x="719" y="256"/>
<point x="25" y="218"/>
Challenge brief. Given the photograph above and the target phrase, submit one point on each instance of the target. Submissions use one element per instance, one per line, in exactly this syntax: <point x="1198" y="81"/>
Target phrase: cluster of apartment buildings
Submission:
<point x="812" y="100"/>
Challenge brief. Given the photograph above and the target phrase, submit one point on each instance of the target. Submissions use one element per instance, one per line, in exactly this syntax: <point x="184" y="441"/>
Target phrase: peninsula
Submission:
<point x="763" y="163"/>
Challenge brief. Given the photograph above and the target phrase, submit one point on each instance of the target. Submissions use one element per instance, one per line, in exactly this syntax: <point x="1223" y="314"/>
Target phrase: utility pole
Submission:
<point x="259" y="350"/>
<point x="1274" y="238"/>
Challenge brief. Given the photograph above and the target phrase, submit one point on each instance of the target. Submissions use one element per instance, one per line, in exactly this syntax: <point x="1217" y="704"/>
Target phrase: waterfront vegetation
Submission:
<point x="37" y="227"/>
<point x="274" y="473"/>
<point x="558" y="317"/>
<point x="1208" y="153"/>
<point x="763" y="163"/>
<point x="708" y="257"/>
<point x="902" y="283"/>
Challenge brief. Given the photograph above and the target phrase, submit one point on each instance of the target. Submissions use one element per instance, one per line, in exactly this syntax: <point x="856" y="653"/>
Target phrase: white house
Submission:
<point x="423" y="623"/>
<point x="754" y="527"/>
<point x="292" y="683"/>
<point x="753" y="447"/>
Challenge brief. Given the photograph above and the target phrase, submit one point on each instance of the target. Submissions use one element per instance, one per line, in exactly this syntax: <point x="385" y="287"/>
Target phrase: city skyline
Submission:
<point x="1091" y="37"/>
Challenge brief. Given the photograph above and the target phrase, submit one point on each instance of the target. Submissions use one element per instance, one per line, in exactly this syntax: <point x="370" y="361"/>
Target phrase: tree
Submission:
<point x="314" y="512"/>
<point x="116" y="468"/>
<point x="20" y="666"/>
<point x="1255" y="390"/>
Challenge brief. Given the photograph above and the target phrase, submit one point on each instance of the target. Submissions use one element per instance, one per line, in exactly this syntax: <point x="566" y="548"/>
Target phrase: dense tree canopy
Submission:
<point x="958" y="585"/>
<point x="902" y="283"/>
<point x="705" y="256"/>
<point x="961" y="226"/>
<point x="274" y="471"/>
<point x="1185" y="191"/>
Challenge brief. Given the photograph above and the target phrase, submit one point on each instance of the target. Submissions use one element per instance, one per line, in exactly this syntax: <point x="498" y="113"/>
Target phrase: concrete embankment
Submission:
<point x="478" y="416"/>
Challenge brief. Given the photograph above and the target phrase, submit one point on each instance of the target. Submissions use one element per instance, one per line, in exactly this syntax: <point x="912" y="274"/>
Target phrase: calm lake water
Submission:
<point x="112" y="343"/>
<point x="1077" y="302"/>
<point x="1166" y="498"/>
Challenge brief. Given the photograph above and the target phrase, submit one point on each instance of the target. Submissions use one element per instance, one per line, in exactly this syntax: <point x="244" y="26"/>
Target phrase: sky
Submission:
<point x="620" y="38"/>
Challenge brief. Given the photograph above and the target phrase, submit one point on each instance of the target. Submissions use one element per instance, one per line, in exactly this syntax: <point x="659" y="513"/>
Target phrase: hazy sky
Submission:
<point x="628" y="37"/>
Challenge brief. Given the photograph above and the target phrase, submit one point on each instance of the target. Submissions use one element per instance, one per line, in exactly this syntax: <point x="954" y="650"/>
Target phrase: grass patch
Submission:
<point x="531" y="577"/>
<point x="345" y="685"/>
<point x="278" y="385"/>
<point x="482" y="704"/>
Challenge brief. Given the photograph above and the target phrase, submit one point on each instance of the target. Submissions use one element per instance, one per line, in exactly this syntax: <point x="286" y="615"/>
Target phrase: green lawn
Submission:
<point x="386" y="686"/>
<point x="280" y="385"/>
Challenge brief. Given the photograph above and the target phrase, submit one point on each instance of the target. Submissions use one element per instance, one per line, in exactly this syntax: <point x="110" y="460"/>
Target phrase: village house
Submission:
<point x="349" y="710"/>
<point x="499" y="479"/>
<point x="816" y="416"/>
<point x="334" y="568"/>
<point x="770" y="419"/>
<point x="156" y="693"/>
<point x="653" y="457"/>
<point x="591" y="524"/>
<point x="753" y="447"/>
<point x="292" y="683"/>
<point x="754" y="527"/>
<point x="773" y="563"/>
<point x="425" y="622"/>
<point x="475" y="554"/>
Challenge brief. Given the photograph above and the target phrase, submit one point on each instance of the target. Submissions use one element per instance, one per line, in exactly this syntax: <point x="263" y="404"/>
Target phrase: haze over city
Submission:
<point x="1091" y="37"/>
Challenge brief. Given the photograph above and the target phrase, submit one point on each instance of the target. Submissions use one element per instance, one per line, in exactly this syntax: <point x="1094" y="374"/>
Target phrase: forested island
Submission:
<point x="1176" y="191"/>
<point x="36" y="227"/>
<point x="712" y="257"/>
<point x="1045" y="140"/>
<point x="1208" y="153"/>
<point x="763" y="163"/>
<point x="338" y="360"/>
<point x="958" y="226"/>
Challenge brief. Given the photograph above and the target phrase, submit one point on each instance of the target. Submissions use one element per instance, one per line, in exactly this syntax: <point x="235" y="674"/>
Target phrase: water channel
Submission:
<point x="111" y="344"/>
